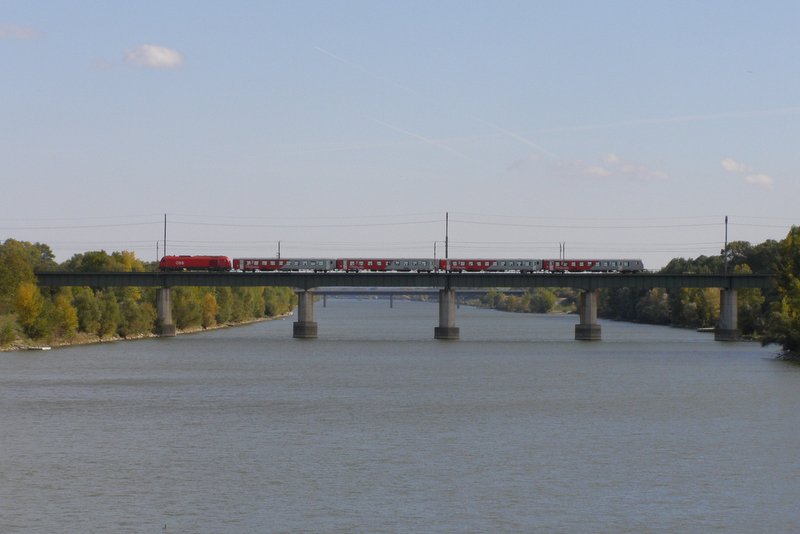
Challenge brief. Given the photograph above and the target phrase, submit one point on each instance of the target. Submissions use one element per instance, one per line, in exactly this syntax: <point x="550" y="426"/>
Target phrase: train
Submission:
<point x="420" y="265"/>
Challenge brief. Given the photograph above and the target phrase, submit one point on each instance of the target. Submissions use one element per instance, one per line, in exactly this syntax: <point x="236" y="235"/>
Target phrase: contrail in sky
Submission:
<point x="521" y="137"/>
<point x="675" y="120"/>
<point x="371" y="73"/>
<point x="427" y="140"/>
<point x="407" y="89"/>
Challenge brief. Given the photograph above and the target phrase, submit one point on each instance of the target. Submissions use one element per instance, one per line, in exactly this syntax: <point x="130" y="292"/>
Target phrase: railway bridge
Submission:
<point x="447" y="284"/>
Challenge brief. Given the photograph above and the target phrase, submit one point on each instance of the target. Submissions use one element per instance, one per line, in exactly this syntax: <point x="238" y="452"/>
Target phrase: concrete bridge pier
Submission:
<point x="728" y="327"/>
<point x="164" y="323"/>
<point x="587" y="329"/>
<point x="447" y="328"/>
<point x="305" y="327"/>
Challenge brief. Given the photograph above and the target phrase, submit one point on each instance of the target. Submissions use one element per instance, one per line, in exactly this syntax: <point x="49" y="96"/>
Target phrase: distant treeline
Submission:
<point x="61" y="315"/>
<point x="770" y="315"/>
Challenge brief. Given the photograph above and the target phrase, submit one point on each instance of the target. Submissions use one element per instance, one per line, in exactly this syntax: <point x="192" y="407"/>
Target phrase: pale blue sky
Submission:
<point x="623" y="128"/>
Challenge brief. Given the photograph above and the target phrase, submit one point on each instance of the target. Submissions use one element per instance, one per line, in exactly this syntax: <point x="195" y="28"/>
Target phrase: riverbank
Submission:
<point x="83" y="338"/>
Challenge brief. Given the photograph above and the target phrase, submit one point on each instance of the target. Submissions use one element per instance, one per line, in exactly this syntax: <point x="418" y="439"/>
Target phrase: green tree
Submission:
<point x="17" y="260"/>
<point x="8" y="331"/>
<point x="136" y="317"/>
<point x="88" y="308"/>
<point x="541" y="300"/>
<point x="187" y="308"/>
<point x="110" y="315"/>
<point x="784" y="319"/>
<point x="210" y="309"/>
<point x="224" y="297"/>
<point x="278" y="300"/>
<point x="64" y="316"/>
<point x="653" y="307"/>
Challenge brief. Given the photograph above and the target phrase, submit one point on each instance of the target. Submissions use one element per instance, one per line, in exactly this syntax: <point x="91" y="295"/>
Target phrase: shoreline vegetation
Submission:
<point x="93" y="339"/>
<point x="33" y="316"/>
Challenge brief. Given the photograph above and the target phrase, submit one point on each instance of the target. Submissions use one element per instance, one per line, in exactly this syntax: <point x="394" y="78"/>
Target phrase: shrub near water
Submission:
<point x="30" y="313"/>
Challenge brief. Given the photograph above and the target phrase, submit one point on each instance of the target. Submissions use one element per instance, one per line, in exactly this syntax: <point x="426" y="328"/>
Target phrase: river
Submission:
<point x="377" y="427"/>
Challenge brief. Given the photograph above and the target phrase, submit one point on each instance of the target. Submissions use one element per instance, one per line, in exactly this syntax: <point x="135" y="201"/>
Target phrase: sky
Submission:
<point x="379" y="129"/>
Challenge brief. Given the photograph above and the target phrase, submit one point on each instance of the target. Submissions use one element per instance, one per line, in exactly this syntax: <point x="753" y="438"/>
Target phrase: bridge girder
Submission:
<point x="307" y="280"/>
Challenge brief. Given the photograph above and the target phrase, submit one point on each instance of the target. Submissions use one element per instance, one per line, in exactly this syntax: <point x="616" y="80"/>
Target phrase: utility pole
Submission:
<point x="165" y="234"/>
<point x="279" y="250"/>
<point x="725" y="251"/>
<point x="446" y="234"/>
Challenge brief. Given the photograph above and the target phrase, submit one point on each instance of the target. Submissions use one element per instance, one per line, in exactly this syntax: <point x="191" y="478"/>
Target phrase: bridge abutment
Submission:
<point x="305" y="327"/>
<point x="165" y="324"/>
<point x="587" y="329"/>
<point x="447" y="328"/>
<point x="728" y="327"/>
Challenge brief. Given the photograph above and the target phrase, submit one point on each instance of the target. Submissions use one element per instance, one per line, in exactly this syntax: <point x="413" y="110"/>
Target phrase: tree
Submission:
<point x="210" y="309"/>
<point x="750" y="304"/>
<point x="64" y="316"/>
<point x="224" y="297"/>
<point x="110" y="315"/>
<point x="16" y="266"/>
<point x="784" y="320"/>
<point x="541" y="300"/>
<point x="186" y="307"/>
<point x="653" y="308"/>
<point x="30" y="306"/>
<point x="88" y="308"/>
<point x="136" y="317"/>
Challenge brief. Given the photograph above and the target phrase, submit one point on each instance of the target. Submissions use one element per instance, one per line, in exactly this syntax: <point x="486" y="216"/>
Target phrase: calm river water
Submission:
<point x="377" y="427"/>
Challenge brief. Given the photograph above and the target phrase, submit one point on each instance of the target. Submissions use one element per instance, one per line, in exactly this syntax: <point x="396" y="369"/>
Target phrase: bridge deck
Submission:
<point x="308" y="280"/>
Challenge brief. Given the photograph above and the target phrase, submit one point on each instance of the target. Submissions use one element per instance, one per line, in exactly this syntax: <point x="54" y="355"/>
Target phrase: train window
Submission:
<point x="413" y="263"/>
<point x="625" y="263"/>
<point x="581" y="264"/>
<point x="405" y="264"/>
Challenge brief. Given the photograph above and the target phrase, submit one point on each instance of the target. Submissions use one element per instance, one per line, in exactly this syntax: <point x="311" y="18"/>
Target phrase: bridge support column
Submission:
<point x="305" y="327"/>
<point x="447" y="328"/>
<point x="728" y="327"/>
<point x="391" y="300"/>
<point x="165" y="325"/>
<point x="587" y="329"/>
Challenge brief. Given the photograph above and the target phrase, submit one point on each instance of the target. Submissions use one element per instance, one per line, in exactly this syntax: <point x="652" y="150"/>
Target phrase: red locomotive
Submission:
<point x="195" y="263"/>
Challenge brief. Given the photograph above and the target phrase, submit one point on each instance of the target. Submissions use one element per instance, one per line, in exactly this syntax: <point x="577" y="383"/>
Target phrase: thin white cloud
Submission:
<point x="753" y="178"/>
<point x="102" y="64"/>
<point x="733" y="166"/>
<point x="596" y="170"/>
<point x="18" y="32"/>
<point x="760" y="180"/>
<point x="614" y="166"/>
<point x="155" y="57"/>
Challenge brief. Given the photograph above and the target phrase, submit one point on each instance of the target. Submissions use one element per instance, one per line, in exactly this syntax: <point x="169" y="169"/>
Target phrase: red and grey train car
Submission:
<point x="523" y="265"/>
<point x="625" y="265"/>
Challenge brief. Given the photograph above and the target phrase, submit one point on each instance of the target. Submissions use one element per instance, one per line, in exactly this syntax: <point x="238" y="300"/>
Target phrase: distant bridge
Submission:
<point x="446" y="283"/>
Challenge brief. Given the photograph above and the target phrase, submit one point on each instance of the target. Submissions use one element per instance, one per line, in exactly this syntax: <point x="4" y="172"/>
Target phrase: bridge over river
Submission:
<point x="447" y="285"/>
